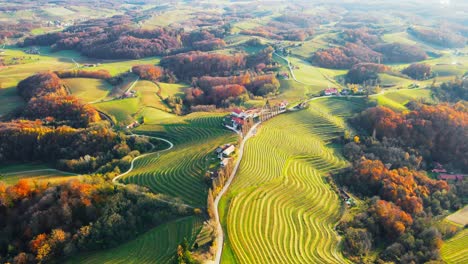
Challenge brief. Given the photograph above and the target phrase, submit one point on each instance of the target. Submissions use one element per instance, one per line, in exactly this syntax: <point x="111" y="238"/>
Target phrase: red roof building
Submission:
<point x="453" y="177"/>
<point x="331" y="91"/>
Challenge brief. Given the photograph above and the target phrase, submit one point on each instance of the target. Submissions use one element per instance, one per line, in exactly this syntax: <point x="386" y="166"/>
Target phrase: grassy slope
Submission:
<point x="155" y="246"/>
<point x="87" y="89"/>
<point x="283" y="211"/>
<point x="398" y="99"/>
<point x="11" y="174"/>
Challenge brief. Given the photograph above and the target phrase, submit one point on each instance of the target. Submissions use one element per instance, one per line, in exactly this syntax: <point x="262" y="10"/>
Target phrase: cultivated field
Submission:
<point x="455" y="250"/>
<point x="179" y="173"/>
<point x="155" y="246"/>
<point x="280" y="208"/>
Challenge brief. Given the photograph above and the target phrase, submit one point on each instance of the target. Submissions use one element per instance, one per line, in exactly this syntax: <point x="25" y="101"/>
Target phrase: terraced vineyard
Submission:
<point x="155" y="246"/>
<point x="455" y="251"/>
<point x="179" y="173"/>
<point x="281" y="210"/>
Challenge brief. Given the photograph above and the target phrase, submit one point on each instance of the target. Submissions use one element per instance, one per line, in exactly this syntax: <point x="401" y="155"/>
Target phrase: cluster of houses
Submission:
<point x="91" y="65"/>
<point x="58" y="23"/>
<point x="129" y="94"/>
<point x="335" y="91"/>
<point x="283" y="75"/>
<point x="239" y="117"/>
<point x="32" y="50"/>
<point x="346" y="198"/>
<point x="134" y="124"/>
<point x="442" y="174"/>
<point x="224" y="153"/>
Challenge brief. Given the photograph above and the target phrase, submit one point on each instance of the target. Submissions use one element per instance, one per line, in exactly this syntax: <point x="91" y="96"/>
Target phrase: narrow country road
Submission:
<point x="219" y="228"/>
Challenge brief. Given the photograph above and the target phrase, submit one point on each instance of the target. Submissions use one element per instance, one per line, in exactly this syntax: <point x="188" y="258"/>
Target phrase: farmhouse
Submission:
<point x="451" y="177"/>
<point x="229" y="150"/>
<point x="129" y="94"/>
<point x="330" y="91"/>
<point x="238" y="118"/>
<point x="133" y="125"/>
<point x="32" y="50"/>
<point x="240" y="114"/>
<point x="224" y="162"/>
<point x="283" y="75"/>
<point x="439" y="169"/>
<point x="283" y="105"/>
<point x="225" y="150"/>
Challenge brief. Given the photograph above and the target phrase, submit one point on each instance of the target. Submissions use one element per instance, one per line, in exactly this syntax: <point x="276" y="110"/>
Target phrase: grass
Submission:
<point x="460" y="217"/>
<point x="148" y="97"/>
<point x="59" y="11"/>
<point x="35" y="172"/>
<point x="158" y="245"/>
<point x="317" y="78"/>
<point x="172" y="89"/>
<point x="399" y="98"/>
<point x="280" y="208"/>
<point x="454" y="250"/>
<point x="88" y="89"/>
<point x="123" y="110"/>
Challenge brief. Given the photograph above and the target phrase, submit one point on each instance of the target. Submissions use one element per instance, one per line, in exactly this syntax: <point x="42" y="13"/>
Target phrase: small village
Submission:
<point x="442" y="174"/>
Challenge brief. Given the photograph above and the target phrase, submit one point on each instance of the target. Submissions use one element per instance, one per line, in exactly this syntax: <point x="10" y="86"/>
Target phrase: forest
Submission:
<point x="401" y="202"/>
<point x="363" y="45"/>
<point x="117" y="38"/>
<point x="444" y="38"/>
<point x="44" y="224"/>
<point x="436" y="132"/>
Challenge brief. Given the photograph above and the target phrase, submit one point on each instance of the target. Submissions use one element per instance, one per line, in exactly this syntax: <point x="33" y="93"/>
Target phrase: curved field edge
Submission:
<point x="158" y="245"/>
<point x="455" y="250"/>
<point x="280" y="208"/>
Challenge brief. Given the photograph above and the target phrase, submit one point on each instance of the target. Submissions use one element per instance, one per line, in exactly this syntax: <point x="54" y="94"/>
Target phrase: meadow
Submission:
<point x="89" y="90"/>
<point x="397" y="99"/>
<point x="283" y="211"/>
<point x="11" y="174"/>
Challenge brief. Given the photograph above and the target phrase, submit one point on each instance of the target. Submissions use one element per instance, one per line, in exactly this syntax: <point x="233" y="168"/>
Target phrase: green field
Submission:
<point x="88" y="89"/>
<point x="317" y="78"/>
<point x="172" y="89"/>
<point x="155" y="246"/>
<point x="397" y="99"/>
<point x="279" y="208"/>
<point x="34" y="172"/>
<point x="148" y="95"/>
<point x="455" y="250"/>
<point x="123" y="110"/>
